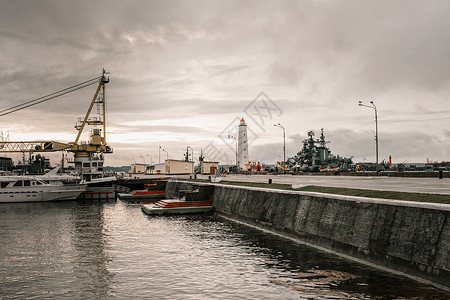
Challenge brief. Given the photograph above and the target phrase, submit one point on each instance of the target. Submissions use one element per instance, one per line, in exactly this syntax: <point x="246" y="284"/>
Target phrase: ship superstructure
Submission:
<point x="315" y="156"/>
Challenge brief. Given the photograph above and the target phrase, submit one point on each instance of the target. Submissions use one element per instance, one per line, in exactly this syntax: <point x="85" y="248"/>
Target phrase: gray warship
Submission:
<point x="315" y="156"/>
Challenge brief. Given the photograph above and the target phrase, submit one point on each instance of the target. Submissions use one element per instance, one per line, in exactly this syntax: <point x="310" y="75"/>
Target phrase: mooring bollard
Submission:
<point x="270" y="180"/>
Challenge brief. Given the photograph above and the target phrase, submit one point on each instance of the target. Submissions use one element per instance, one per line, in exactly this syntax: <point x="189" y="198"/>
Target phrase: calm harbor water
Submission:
<point x="97" y="250"/>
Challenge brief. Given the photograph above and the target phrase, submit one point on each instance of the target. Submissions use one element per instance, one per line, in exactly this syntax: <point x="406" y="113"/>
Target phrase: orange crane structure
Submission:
<point x="88" y="156"/>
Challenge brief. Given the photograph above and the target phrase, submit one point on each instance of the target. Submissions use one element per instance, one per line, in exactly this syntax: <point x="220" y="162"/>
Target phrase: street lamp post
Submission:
<point x="192" y="156"/>
<point x="159" y="157"/>
<point x="376" y="126"/>
<point x="132" y="165"/>
<point x="284" y="145"/>
<point x="167" y="153"/>
<point x="192" y="152"/>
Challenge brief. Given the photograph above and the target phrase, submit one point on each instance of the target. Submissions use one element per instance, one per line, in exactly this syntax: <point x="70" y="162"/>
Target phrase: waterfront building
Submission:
<point x="156" y="169"/>
<point x="209" y="167"/>
<point x="137" y="168"/>
<point x="174" y="166"/>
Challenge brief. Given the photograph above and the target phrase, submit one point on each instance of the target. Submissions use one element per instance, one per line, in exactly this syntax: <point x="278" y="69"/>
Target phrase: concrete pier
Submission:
<point x="408" y="238"/>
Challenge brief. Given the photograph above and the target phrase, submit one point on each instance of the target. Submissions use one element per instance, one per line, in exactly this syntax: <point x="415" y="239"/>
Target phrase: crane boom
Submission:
<point x="95" y="145"/>
<point x="80" y="130"/>
<point x="35" y="146"/>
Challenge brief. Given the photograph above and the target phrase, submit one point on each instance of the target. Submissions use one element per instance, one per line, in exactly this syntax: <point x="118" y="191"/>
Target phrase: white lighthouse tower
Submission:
<point x="242" y="145"/>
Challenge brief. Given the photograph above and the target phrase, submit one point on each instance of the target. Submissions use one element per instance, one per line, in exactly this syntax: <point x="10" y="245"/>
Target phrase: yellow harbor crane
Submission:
<point x="88" y="156"/>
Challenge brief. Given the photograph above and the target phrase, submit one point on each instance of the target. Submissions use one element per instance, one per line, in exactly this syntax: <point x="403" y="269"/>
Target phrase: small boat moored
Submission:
<point x="177" y="206"/>
<point x="141" y="196"/>
<point x="151" y="193"/>
<point x="27" y="188"/>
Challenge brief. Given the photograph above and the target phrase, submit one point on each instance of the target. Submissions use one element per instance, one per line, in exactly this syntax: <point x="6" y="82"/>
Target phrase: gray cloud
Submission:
<point x="165" y="129"/>
<point x="406" y="146"/>
<point x="172" y="60"/>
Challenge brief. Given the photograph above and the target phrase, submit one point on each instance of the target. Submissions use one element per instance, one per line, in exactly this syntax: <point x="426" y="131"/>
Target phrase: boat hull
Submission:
<point x="43" y="194"/>
<point x="97" y="193"/>
<point x="151" y="210"/>
<point x="140" y="197"/>
<point x="177" y="206"/>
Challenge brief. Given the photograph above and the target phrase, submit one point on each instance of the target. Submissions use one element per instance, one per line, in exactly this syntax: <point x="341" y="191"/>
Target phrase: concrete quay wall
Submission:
<point x="404" y="237"/>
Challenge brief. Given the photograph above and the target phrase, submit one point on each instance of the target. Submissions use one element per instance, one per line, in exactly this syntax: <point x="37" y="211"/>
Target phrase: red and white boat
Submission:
<point x="177" y="206"/>
<point x="151" y="194"/>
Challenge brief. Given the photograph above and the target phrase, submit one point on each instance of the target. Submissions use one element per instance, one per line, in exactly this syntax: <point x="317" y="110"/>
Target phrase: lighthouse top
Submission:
<point x="242" y="122"/>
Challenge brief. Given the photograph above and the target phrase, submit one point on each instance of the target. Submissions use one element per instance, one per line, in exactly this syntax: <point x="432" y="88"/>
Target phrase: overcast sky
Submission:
<point x="182" y="73"/>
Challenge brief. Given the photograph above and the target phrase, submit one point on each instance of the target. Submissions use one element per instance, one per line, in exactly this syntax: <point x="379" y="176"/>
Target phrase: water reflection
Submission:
<point x="321" y="275"/>
<point x="91" y="259"/>
<point x="53" y="249"/>
<point x="108" y="251"/>
<point x="245" y="251"/>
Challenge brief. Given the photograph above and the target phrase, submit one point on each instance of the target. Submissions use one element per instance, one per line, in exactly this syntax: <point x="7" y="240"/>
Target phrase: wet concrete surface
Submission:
<point x="380" y="183"/>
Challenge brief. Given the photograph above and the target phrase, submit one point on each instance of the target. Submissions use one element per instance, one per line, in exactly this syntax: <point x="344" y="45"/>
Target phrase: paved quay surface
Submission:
<point x="379" y="183"/>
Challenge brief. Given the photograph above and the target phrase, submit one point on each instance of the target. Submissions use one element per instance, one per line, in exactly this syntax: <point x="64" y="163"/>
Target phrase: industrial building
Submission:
<point x="174" y="166"/>
<point x="156" y="169"/>
<point x="6" y="164"/>
<point x="209" y="167"/>
<point x="137" y="168"/>
<point x="170" y="166"/>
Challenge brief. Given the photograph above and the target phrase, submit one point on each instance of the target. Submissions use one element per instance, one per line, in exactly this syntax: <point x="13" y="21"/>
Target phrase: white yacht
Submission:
<point x="27" y="188"/>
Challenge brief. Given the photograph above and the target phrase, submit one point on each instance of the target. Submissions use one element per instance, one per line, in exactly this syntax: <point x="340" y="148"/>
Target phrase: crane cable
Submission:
<point x="49" y="96"/>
